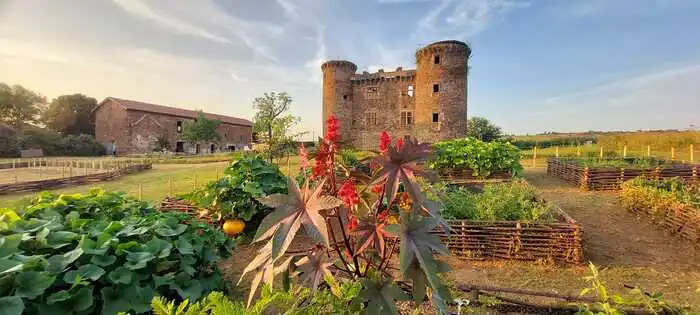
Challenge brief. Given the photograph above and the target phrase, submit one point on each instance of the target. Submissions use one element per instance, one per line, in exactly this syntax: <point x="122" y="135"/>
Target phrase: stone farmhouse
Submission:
<point x="429" y="102"/>
<point x="136" y="126"/>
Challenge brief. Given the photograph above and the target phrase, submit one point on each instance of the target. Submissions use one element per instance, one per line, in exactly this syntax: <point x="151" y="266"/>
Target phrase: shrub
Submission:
<point x="82" y="145"/>
<point x="8" y="141"/>
<point x="660" y="196"/>
<point x="483" y="158"/>
<point x="53" y="144"/>
<point x="102" y="253"/>
<point x="514" y="201"/>
<point x="234" y="195"/>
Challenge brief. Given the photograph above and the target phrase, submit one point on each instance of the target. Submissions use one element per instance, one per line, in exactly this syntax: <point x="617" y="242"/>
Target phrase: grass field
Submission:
<point x="9" y="176"/>
<point x="154" y="159"/>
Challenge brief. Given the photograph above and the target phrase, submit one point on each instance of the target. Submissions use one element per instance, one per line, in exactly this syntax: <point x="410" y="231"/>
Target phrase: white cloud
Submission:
<point x="390" y="59"/>
<point x="140" y="9"/>
<point x="463" y="18"/>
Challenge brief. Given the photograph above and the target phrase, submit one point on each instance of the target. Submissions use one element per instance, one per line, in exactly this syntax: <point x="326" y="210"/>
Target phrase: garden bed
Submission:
<point x="466" y="176"/>
<point x="512" y="240"/>
<point x="73" y="180"/>
<point x="609" y="178"/>
<point x="668" y="203"/>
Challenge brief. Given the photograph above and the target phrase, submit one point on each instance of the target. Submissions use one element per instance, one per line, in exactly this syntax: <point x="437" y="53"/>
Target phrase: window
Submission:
<point x="345" y="97"/>
<point x="436" y="88"/>
<point x="436" y="59"/>
<point x="370" y="119"/>
<point x="410" y="91"/>
<point x="179" y="126"/>
<point x="225" y="136"/>
<point x="372" y="92"/>
<point x="436" y="117"/>
<point x="406" y="118"/>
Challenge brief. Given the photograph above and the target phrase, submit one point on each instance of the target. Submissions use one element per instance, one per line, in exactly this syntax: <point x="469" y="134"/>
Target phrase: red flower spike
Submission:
<point x="399" y="144"/>
<point x="378" y="188"/>
<point x="348" y="194"/>
<point x="352" y="222"/>
<point x="333" y="126"/>
<point x="303" y="157"/>
<point x="321" y="167"/>
<point x="384" y="141"/>
<point x="381" y="217"/>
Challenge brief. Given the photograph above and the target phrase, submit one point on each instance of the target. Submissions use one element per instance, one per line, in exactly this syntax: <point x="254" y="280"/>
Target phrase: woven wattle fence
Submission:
<point x="511" y="240"/>
<point x="611" y="178"/>
<point x="73" y="180"/>
<point x="465" y="176"/>
<point x="683" y="221"/>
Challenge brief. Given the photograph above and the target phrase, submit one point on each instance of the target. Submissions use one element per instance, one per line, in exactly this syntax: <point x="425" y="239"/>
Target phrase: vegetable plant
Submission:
<point x="352" y="234"/>
<point x="234" y="195"/>
<point x="102" y="253"/>
<point x="483" y="158"/>
<point x="594" y="162"/>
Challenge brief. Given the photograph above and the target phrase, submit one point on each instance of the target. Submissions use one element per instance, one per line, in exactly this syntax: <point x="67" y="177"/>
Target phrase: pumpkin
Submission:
<point x="233" y="227"/>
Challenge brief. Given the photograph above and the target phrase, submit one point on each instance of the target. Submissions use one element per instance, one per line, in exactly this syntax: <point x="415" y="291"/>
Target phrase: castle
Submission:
<point x="429" y="102"/>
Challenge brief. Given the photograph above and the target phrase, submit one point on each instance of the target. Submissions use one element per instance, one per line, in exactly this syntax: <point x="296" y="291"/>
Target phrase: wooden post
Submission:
<point x="601" y="152"/>
<point x="86" y="168"/>
<point x="63" y="171"/>
<point x="648" y="150"/>
<point x="534" y="157"/>
<point x="170" y="186"/>
<point x="578" y="151"/>
<point x="556" y="151"/>
<point x="584" y="179"/>
<point x="70" y="171"/>
<point x="140" y="191"/>
<point x="217" y="173"/>
<point x="673" y="153"/>
<point x="195" y="179"/>
<point x="692" y="154"/>
<point x="624" y="152"/>
<point x="13" y="164"/>
<point x="101" y="165"/>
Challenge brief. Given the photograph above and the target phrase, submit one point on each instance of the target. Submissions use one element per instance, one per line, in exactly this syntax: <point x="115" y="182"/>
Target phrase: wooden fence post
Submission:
<point x="692" y="155"/>
<point x="673" y="153"/>
<point x="578" y="151"/>
<point x="556" y="151"/>
<point x="195" y="179"/>
<point x="170" y="186"/>
<point x="601" y="152"/>
<point x="85" y="166"/>
<point x="648" y="150"/>
<point x="140" y="192"/>
<point x="584" y="179"/>
<point x="624" y="152"/>
<point x="70" y="171"/>
<point x="534" y="157"/>
<point x="13" y="164"/>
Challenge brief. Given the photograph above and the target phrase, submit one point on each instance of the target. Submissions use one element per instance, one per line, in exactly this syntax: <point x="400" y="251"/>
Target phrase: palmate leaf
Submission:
<point x="264" y="267"/>
<point x="314" y="268"/>
<point x="381" y="295"/>
<point x="370" y="232"/>
<point x="301" y="207"/>
<point x="400" y="166"/>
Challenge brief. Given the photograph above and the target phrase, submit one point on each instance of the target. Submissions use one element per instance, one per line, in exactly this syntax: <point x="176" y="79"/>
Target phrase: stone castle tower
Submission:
<point x="429" y="103"/>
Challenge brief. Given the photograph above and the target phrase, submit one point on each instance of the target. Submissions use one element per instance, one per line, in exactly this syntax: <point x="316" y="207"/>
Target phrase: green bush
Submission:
<point x="82" y="145"/>
<point x="8" y="141"/>
<point x="103" y="253"/>
<point x="53" y="144"/>
<point x="483" y="158"/>
<point x="235" y="194"/>
<point x="513" y="201"/>
<point x="594" y="162"/>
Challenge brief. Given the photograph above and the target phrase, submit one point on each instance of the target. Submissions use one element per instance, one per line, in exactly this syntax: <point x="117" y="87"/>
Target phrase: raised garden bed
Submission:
<point x="466" y="176"/>
<point x="73" y="180"/>
<point x="667" y="203"/>
<point x="611" y="178"/>
<point x="512" y="240"/>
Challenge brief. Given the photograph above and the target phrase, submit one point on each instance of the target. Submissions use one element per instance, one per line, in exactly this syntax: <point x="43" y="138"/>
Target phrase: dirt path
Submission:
<point x="614" y="236"/>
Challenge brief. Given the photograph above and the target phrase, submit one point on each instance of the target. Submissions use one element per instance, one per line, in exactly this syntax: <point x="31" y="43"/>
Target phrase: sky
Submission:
<point x="536" y="65"/>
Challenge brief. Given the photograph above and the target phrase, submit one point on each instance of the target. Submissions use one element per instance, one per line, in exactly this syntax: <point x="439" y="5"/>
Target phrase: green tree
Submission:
<point x="482" y="129"/>
<point x="200" y="129"/>
<point x="274" y="128"/>
<point x="71" y="114"/>
<point x="20" y="106"/>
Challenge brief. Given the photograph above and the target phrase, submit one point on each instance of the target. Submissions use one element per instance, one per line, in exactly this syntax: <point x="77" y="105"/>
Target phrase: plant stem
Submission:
<point x="337" y="249"/>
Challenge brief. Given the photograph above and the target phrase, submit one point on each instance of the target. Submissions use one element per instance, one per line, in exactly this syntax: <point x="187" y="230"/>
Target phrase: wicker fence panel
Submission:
<point x="510" y="240"/>
<point x="612" y="178"/>
<point x="684" y="220"/>
<point x="74" y="180"/>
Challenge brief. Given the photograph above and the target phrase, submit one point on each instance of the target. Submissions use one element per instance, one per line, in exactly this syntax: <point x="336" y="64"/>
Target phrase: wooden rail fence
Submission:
<point x="611" y="178"/>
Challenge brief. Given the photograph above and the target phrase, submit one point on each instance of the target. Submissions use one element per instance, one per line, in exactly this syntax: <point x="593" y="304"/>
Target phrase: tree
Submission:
<point x="20" y="106"/>
<point x="71" y="114"/>
<point x="482" y="129"/>
<point x="273" y="127"/>
<point x="200" y="129"/>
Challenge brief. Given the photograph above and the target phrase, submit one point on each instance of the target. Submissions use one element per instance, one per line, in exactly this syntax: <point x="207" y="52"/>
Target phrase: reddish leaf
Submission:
<point x="371" y="232"/>
<point x="313" y="268"/>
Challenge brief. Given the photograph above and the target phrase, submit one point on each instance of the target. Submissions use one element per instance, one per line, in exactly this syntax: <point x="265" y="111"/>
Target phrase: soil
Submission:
<point x="626" y="249"/>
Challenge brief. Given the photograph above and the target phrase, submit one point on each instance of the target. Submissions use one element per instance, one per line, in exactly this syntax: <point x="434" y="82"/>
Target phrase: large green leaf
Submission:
<point x="381" y="295"/>
<point x="9" y="245"/>
<point x="11" y="305"/>
<point x="158" y="247"/>
<point x="104" y="260"/>
<point x="81" y="299"/>
<point x="59" y="296"/>
<point x="139" y="298"/>
<point x="58" y="263"/>
<point x="114" y="301"/>
<point x="187" y="287"/>
<point x="89" y="271"/>
<point x="9" y="265"/>
<point x="138" y="260"/>
<point x="120" y="275"/>
<point x="31" y="284"/>
<point x="184" y="245"/>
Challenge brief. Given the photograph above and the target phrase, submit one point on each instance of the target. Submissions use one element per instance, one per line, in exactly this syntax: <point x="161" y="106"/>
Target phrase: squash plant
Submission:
<point x="234" y="195"/>
<point x="102" y="253"/>
<point x="483" y="158"/>
<point x="352" y="236"/>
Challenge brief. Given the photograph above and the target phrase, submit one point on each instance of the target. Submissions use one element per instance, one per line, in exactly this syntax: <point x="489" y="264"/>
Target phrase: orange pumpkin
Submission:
<point x="233" y="227"/>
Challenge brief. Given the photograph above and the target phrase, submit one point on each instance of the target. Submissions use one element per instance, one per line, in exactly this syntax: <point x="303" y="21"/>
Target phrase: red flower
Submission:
<point x="321" y="167"/>
<point x="404" y="197"/>
<point x="303" y="157"/>
<point x="332" y="129"/>
<point x="399" y="143"/>
<point x="352" y="222"/>
<point x="381" y="217"/>
<point x="378" y="188"/>
<point x="384" y="141"/>
<point x="348" y="193"/>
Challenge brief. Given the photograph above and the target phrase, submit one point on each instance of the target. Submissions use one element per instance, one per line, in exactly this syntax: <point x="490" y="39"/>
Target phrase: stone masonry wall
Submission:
<point x="111" y="124"/>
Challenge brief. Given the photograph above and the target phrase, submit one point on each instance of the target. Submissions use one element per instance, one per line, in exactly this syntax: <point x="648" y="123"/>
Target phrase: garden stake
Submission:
<point x="648" y="150"/>
<point x="534" y="157"/>
<point x="624" y="152"/>
<point x="692" y="157"/>
<point x="170" y="185"/>
<point x="140" y="192"/>
<point x="601" y="152"/>
<point x="556" y="151"/>
<point x="673" y="154"/>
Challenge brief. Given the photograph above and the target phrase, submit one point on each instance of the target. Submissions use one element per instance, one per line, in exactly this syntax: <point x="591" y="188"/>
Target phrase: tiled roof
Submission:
<point x="174" y="111"/>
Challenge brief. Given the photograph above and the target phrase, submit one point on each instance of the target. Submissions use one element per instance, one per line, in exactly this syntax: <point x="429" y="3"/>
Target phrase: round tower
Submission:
<point x="337" y="94"/>
<point x="441" y="90"/>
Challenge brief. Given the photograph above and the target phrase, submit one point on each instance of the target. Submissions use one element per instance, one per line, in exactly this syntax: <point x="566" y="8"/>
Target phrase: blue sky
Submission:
<point x="537" y="65"/>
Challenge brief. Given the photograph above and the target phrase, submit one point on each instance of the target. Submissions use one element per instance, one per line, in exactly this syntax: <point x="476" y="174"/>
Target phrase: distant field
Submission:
<point x="154" y="159"/>
<point x="9" y="176"/>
